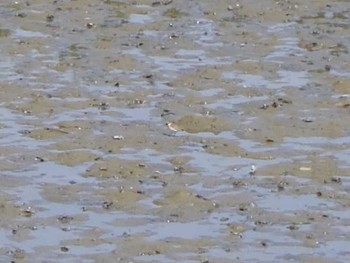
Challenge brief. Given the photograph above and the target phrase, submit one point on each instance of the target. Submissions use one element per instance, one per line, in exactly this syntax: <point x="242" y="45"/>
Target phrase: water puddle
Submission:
<point x="285" y="79"/>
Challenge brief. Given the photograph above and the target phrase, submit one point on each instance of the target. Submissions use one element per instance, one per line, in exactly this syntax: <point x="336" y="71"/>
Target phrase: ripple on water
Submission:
<point x="290" y="204"/>
<point x="292" y="79"/>
<point x="288" y="48"/>
<point x="29" y="34"/>
<point x="140" y="19"/>
<point x="190" y="230"/>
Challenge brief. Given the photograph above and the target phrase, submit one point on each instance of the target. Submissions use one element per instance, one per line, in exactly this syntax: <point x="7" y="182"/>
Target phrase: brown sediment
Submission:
<point x="129" y="130"/>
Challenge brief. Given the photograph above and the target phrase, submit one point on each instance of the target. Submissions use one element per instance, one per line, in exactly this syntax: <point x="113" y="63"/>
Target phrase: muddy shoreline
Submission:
<point x="167" y="131"/>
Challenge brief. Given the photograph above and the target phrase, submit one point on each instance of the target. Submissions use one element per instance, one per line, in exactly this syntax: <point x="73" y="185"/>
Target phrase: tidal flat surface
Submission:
<point x="174" y="131"/>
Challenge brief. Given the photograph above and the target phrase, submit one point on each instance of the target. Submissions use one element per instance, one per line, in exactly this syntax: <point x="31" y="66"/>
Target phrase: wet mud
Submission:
<point x="174" y="131"/>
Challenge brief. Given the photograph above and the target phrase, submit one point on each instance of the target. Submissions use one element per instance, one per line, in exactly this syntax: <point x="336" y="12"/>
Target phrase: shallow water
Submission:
<point x="167" y="131"/>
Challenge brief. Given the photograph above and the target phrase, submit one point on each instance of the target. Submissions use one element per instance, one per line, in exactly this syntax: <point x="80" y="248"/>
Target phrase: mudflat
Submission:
<point x="174" y="131"/>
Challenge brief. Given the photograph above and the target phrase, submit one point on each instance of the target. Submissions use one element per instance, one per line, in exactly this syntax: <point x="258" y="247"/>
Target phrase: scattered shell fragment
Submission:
<point x="305" y="168"/>
<point x="118" y="137"/>
<point x="90" y="25"/>
<point x="28" y="212"/>
<point x="107" y="204"/>
<point x="252" y="170"/>
<point x="307" y="120"/>
<point x="64" y="249"/>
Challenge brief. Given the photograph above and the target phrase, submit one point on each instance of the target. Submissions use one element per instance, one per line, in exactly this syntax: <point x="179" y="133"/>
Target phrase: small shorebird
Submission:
<point x="172" y="126"/>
